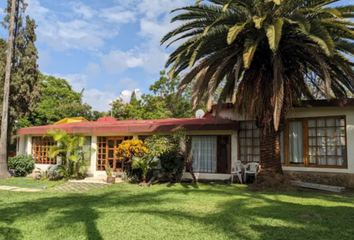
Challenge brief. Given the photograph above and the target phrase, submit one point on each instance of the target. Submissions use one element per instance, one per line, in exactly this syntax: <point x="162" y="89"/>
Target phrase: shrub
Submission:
<point x="131" y="148"/>
<point x="172" y="166"/>
<point x="22" y="165"/>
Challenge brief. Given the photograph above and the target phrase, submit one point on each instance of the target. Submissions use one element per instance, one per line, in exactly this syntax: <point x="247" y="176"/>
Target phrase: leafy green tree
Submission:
<point x="59" y="101"/>
<point x="70" y="148"/>
<point x="264" y="50"/>
<point x="24" y="91"/>
<point x="163" y="103"/>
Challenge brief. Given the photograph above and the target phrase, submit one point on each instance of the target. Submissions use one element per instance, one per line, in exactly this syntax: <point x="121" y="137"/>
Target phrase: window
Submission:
<point x="327" y="142"/>
<point x="204" y="154"/>
<point x="317" y="142"/>
<point x="249" y="142"/>
<point x="296" y="143"/>
<point x="40" y="149"/>
<point x="106" y="156"/>
<point x="211" y="154"/>
<point x="87" y="149"/>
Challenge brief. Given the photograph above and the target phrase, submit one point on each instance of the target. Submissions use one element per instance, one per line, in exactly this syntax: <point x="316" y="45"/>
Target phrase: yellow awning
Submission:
<point x="71" y="120"/>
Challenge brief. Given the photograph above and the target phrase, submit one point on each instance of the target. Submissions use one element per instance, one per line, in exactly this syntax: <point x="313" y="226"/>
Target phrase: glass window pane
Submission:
<point x="341" y="151"/>
<point x="321" y="141"/>
<point x="296" y="143"/>
<point x="330" y="122"/>
<point x="321" y="151"/>
<point x="331" y="151"/>
<point x="312" y="123"/>
<point x="331" y="161"/>
<point x="243" y="150"/>
<point x="256" y="133"/>
<point x="312" y="132"/>
<point x="242" y="141"/>
<point x="340" y="122"/>
<point x="312" y="160"/>
<point x="256" y="150"/>
<point x="340" y="141"/>
<point x="243" y="158"/>
<point x="110" y="153"/>
<point x="322" y="161"/>
<point x="249" y="133"/>
<point x="341" y="161"/>
<point x="321" y="122"/>
<point x="111" y="143"/>
<point x="249" y="158"/>
<point x="256" y="158"/>
<point x="331" y="132"/>
<point x="255" y="141"/>
<point x="312" y="141"/>
<point x="242" y="133"/>
<point x="249" y="141"/>
<point x="331" y="141"/>
<point x="312" y="151"/>
<point x="249" y="150"/>
<point x="321" y="132"/>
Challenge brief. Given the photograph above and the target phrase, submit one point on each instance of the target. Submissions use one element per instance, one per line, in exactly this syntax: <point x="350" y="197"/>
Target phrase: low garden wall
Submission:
<point x="335" y="179"/>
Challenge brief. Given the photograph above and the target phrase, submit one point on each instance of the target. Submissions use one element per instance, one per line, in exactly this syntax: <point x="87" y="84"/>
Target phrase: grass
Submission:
<point x="28" y="183"/>
<point x="181" y="211"/>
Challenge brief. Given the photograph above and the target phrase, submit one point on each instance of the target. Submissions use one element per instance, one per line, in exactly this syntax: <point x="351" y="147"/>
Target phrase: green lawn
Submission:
<point x="126" y="211"/>
<point x="28" y="183"/>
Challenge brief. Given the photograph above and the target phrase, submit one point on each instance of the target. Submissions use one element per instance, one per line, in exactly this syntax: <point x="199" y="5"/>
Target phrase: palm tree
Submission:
<point x="145" y="164"/>
<point x="70" y="147"/>
<point x="265" y="50"/>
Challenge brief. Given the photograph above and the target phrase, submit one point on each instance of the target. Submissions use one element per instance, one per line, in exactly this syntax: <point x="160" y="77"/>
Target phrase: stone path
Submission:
<point x="78" y="187"/>
<point x="18" y="189"/>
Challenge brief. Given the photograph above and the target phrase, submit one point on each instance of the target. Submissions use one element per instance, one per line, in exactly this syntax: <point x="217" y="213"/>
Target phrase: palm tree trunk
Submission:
<point x="5" y="111"/>
<point x="270" y="152"/>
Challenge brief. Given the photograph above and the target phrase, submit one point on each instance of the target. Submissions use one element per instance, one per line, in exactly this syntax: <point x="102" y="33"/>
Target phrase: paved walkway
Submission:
<point x="78" y="187"/>
<point x="18" y="189"/>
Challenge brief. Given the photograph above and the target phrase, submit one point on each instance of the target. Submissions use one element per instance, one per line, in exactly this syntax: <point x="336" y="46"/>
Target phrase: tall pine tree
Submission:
<point x="25" y="89"/>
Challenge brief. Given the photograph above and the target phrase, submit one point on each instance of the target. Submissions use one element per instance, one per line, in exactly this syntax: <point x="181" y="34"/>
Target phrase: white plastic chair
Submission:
<point x="250" y="169"/>
<point x="238" y="172"/>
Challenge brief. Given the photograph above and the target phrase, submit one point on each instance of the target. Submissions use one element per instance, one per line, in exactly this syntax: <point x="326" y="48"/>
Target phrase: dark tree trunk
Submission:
<point x="270" y="152"/>
<point x="191" y="171"/>
<point x="5" y="112"/>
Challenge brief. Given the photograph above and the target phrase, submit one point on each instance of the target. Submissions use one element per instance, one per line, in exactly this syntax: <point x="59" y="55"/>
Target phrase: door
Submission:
<point x="106" y="156"/>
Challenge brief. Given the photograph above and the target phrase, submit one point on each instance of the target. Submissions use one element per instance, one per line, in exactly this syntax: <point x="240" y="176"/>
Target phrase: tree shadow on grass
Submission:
<point x="236" y="214"/>
<point x="10" y="233"/>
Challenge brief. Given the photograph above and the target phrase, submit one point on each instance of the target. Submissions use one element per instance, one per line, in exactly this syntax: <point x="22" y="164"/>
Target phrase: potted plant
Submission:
<point x="110" y="178"/>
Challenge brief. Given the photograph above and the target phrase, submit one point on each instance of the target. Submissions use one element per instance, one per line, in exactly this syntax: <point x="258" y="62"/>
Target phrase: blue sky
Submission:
<point x="104" y="46"/>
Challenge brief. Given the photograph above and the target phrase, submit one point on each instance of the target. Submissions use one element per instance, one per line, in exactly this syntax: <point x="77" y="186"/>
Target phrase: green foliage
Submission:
<point x="264" y="52"/>
<point x="145" y="164"/>
<point x="22" y="164"/>
<point x="59" y="101"/>
<point x="25" y="91"/>
<point x="170" y="152"/>
<point x="162" y="104"/>
<point x="70" y="148"/>
<point x="172" y="165"/>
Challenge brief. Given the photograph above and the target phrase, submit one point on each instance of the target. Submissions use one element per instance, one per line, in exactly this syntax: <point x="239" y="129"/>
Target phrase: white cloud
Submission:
<point x="117" y="15"/>
<point x="77" y="81"/>
<point x="83" y="10"/>
<point x="93" y="69"/>
<point x="87" y="31"/>
<point x="126" y="95"/>
<point x="117" y="61"/>
<point x="98" y="100"/>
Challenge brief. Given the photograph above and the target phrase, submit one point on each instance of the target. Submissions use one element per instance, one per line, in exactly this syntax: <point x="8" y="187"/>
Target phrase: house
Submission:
<point x="315" y="145"/>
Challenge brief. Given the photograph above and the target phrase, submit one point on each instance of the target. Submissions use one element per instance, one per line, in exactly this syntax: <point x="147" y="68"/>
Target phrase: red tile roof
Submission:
<point x="110" y="125"/>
